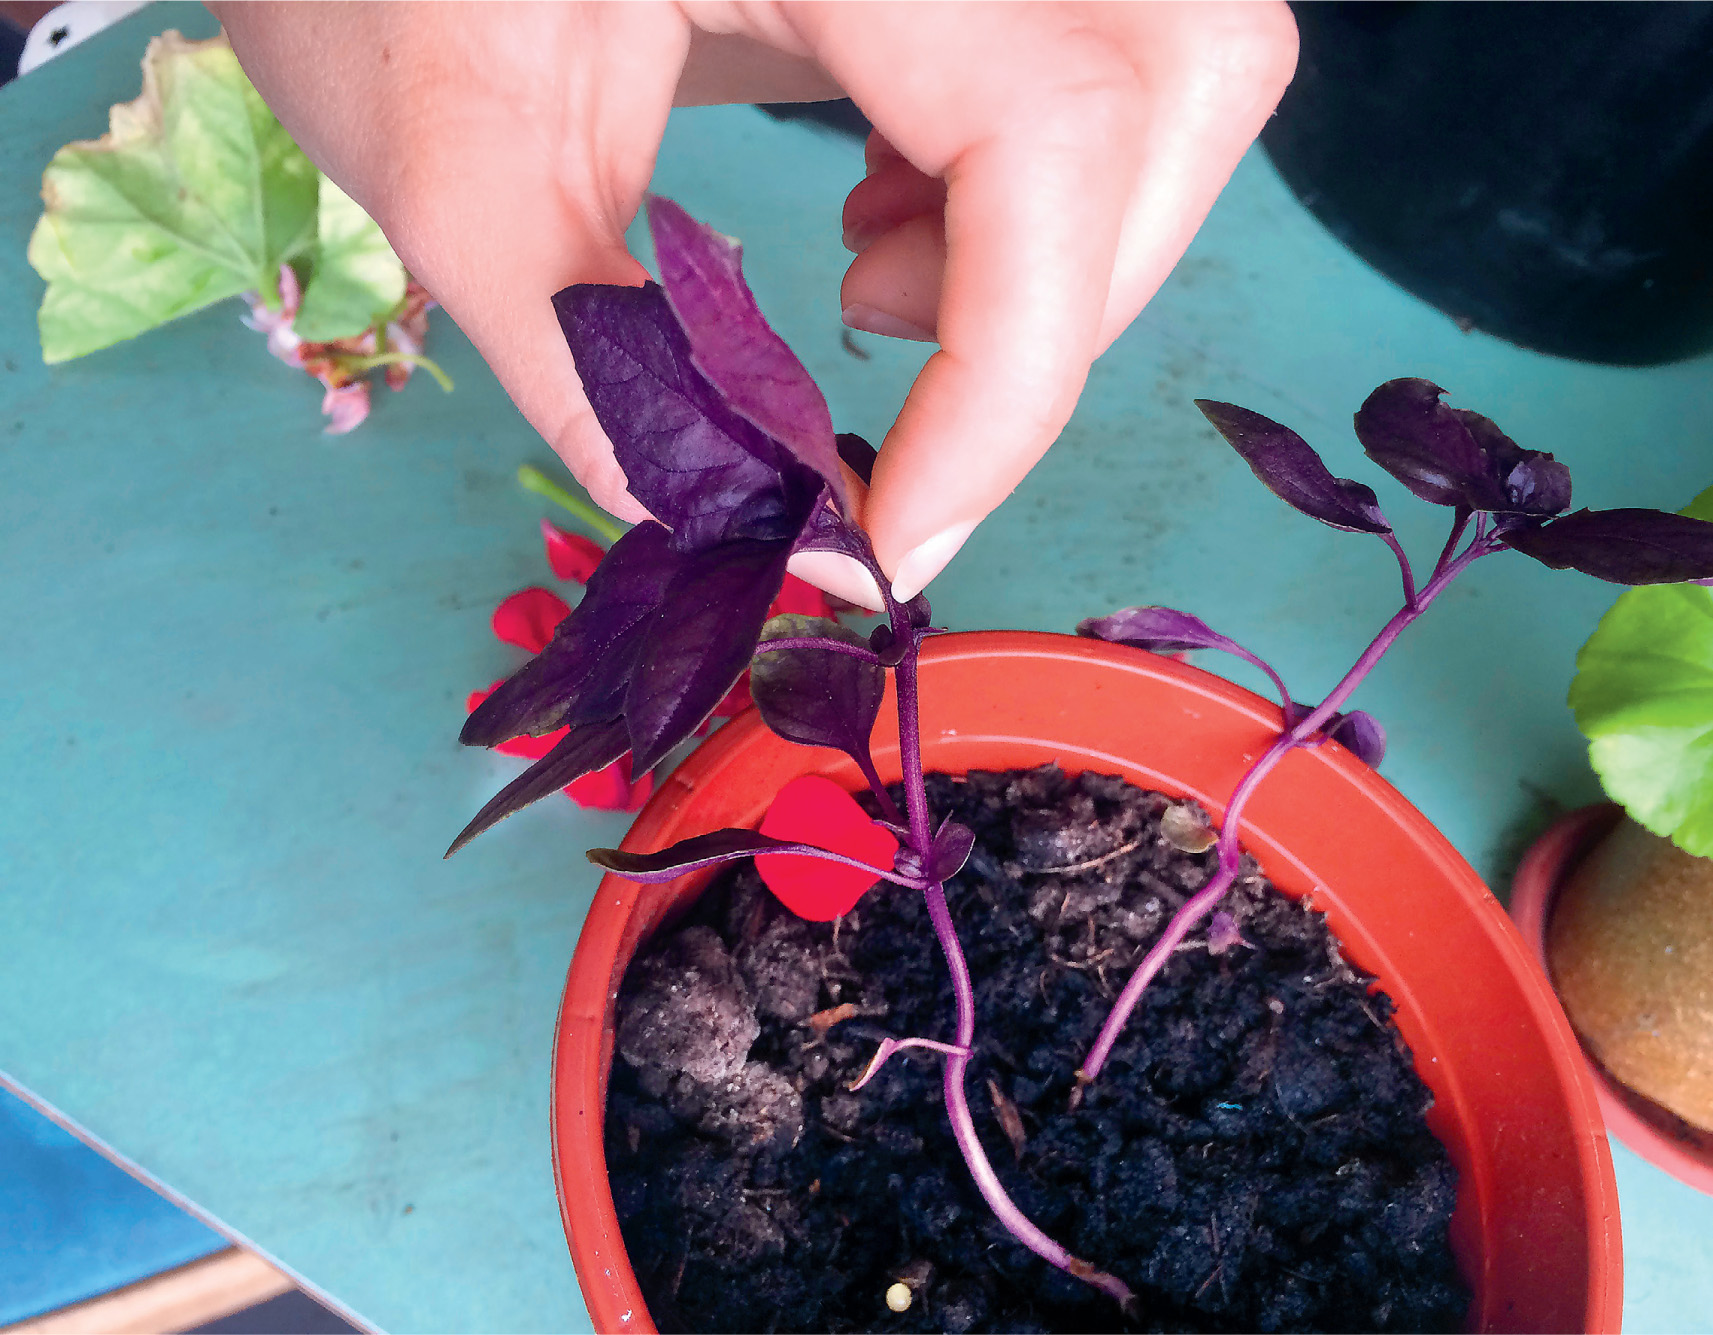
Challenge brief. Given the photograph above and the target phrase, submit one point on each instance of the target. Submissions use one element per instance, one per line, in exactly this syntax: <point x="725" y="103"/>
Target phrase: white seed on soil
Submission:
<point x="899" y="1297"/>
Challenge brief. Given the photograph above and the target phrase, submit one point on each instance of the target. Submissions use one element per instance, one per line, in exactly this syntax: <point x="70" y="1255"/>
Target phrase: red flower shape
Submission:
<point x="815" y="810"/>
<point x="529" y="617"/>
<point x="571" y="555"/>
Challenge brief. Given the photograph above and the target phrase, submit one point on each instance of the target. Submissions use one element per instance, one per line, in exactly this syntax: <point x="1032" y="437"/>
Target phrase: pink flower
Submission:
<point x="342" y="364"/>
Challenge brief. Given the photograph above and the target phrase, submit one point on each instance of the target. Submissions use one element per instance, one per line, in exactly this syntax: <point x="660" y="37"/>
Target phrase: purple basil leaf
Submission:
<point x="828" y="531"/>
<point x="734" y="346"/>
<point x="1161" y="629"/>
<point x="950" y="850"/>
<point x="583" y="673"/>
<point x="1427" y="446"/>
<point x="700" y="467"/>
<point x="817" y="697"/>
<point x="699" y="642"/>
<point x="1222" y="933"/>
<point x="1530" y="482"/>
<point x="1293" y="472"/>
<point x="1359" y="733"/>
<point x="1623" y="546"/>
<point x="858" y="454"/>
<point x="1165" y="630"/>
<point x="585" y="749"/>
<point x="705" y="850"/>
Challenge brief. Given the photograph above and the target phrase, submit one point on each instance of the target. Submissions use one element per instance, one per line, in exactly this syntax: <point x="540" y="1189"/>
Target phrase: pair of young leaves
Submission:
<point x="1460" y="459"/>
<point x="1450" y="457"/>
<point x="727" y="440"/>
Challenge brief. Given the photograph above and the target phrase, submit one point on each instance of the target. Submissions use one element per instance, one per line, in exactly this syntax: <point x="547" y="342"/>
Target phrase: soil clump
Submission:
<point x="1253" y="1157"/>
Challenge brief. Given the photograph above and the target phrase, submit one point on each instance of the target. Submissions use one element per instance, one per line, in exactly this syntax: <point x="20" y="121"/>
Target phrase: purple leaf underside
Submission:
<point x="1452" y="456"/>
<point x="1292" y="471"/>
<point x="706" y="850"/>
<point x="817" y="697"/>
<point x="1359" y="733"/>
<point x="1409" y="432"/>
<point x="700" y="467"/>
<point x="1164" y="630"/>
<point x="583" y="673"/>
<point x="699" y="642"/>
<point x="1623" y="546"/>
<point x="583" y="750"/>
<point x="733" y="345"/>
<point x="951" y="849"/>
<point x="1531" y="482"/>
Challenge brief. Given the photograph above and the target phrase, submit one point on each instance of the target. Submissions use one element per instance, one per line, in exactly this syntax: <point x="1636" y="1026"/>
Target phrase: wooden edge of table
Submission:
<point x="175" y="1300"/>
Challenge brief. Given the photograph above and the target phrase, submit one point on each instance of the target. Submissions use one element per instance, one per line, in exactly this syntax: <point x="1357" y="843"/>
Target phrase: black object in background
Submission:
<point x="11" y="47"/>
<point x="1541" y="172"/>
<point x="841" y="115"/>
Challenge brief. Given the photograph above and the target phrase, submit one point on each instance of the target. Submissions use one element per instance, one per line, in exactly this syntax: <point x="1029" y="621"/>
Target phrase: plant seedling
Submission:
<point x="728" y="442"/>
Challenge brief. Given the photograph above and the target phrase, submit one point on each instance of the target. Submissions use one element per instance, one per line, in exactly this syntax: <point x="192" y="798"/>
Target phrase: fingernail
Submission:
<point x="922" y="562"/>
<point x="840" y="575"/>
<point x="858" y="238"/>
<point x="871" y="321"/>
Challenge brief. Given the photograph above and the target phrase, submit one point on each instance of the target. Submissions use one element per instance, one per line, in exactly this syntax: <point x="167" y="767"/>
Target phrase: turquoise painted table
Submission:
<point x="235" y="654"/>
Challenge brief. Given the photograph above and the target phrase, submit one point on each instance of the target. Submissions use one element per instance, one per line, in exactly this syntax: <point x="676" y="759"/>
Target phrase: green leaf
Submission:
<point x="1643" y="696"/>
<point x="195" y="194"/>
<point x="356" y="280"/>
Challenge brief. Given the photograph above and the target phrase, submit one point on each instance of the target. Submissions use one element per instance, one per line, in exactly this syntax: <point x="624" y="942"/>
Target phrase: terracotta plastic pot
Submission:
<point x="1536" y="1226"/>
<point x="1650" y="1130"/>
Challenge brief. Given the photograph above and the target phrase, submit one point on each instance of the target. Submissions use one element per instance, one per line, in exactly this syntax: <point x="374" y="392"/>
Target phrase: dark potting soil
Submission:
<point x="1252" y="1157"/>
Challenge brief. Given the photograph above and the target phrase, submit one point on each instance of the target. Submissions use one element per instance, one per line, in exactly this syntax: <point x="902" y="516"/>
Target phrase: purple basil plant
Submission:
<point x="727" y="440"/>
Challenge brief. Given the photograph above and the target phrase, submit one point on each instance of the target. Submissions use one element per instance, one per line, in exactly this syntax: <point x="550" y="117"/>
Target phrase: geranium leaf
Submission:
<point x="699" y="642"/>
<point x="817" y="697"/>
<point x="699" y="466"/>
<point x="733" y="345"/>
<point x="584" y="672"/>
<point x="195" y="194"/>
<point x="1643" y="696"/>
<point x="355" y="279"/>
<point x="1292" y="471"/>
<point x="1623" y="546"/>
<point x="585" y="749"/>
<point x="1427" y="446"/>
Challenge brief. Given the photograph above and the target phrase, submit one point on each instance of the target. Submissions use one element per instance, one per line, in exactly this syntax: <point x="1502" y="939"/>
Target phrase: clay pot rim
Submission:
<point x="581" y="1049"/>
<point x="1534" y="888"/>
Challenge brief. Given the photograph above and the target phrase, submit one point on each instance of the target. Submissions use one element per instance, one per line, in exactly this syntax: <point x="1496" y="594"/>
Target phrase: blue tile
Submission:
<point x="73" y="1224"/>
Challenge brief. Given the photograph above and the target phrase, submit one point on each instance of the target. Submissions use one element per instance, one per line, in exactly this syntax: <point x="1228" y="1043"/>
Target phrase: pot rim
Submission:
<point x="1534" y="889"/>
<point x="619" y="919"/>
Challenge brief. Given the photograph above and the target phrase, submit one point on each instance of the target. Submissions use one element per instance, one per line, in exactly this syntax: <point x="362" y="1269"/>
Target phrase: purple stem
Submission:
<point x="1230" y="854"/>
<point x="957" y="1105"/>
<point x="1391" y="540"/>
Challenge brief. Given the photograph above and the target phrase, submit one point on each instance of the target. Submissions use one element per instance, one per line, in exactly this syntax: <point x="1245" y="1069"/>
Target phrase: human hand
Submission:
<point x="1035" y="172"/>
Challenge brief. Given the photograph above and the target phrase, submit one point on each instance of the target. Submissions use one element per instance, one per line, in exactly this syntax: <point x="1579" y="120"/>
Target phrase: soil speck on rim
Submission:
<point x="1253" y="1157"/>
